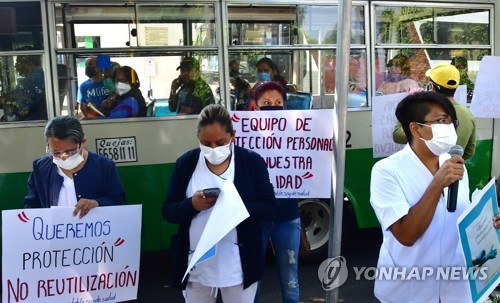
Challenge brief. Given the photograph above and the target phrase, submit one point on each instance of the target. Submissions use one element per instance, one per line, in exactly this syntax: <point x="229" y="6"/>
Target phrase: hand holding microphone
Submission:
<point x="451" y="204"/>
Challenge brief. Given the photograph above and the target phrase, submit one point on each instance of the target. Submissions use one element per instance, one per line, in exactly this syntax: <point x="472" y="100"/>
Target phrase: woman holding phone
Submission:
<point x="238" y="263"/>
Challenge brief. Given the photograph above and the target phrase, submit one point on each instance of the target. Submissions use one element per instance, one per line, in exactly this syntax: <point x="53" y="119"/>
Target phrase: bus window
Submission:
<point x="318" y="24"/>
<point x="310" y="70"/>
<point x="148" y="25"/>
<point x="431" y="25"/>
<point x="95" y="26"/>
<point x="444" y="33"/>
<point x="22" y="90"/>
<point x="155" y="71"/>
<point x="161" y="25"/>
<point x="20" y="26"/>
<point x="306" y="77"/>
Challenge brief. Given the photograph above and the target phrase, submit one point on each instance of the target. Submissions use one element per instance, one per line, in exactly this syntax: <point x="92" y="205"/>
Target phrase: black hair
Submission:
<point x="415" y="107"/>
<point x="65" y="128"/>
<point x="130" y="74"/>
<point x="271" y="64"/>
<point x="214" y="113"/>
<point x="448" y="92"/>
<point x="267" y="86"/>
<point x="401" y="61"/>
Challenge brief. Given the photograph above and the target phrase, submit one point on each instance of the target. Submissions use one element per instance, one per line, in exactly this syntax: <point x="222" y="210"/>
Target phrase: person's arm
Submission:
<point x="470" y="148"/>
<point x="264" y="207"/>
<point x="174" y="98"/>
<point x="399" y="135"/>
<point x="32" y="200"/>
<point x="409" y="228"/>
<point x="176" y="207"/>
<point x="124" y="109"/>
<point x="113" y="191"/>
<point x="83" y="108"/>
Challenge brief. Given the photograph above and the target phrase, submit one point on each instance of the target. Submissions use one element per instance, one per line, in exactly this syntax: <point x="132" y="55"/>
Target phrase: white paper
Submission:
<point x="461" y="95"/>
<point x="227" y="213"/>
<point x="150" y="68"/>
<point x="486" y="100"/>
<point x="383" y="123"/>
<point x="479" y="237"/>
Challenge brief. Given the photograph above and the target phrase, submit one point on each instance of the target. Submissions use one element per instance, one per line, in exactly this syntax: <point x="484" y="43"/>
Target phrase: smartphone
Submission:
<point x="211" y="192"/>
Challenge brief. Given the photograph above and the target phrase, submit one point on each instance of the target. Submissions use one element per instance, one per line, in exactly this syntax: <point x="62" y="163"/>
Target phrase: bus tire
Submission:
<point x="315" y="216"/>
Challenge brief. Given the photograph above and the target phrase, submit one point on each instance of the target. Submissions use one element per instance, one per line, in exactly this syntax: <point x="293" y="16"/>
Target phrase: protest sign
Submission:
<point x="486" y="100"/>
<point x="480" y="242"/>
<point x="383" y="122"/>
<point x="50" y="256"/>
<point x="297" y="146"/>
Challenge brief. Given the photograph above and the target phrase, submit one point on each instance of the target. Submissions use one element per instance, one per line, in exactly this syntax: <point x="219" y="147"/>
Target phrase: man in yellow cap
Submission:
<point x="444" y="79"/>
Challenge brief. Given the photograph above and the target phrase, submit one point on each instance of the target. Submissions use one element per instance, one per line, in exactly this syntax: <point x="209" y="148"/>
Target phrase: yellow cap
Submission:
<point x="445" y="75"/>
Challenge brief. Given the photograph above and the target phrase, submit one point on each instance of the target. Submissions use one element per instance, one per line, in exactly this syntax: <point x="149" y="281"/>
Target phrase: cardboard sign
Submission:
<point x="297" y="146"/>
<point x="50" y="256"/>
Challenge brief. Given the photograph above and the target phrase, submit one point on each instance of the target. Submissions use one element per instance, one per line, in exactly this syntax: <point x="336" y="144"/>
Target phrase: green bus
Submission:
<point x="299" y="36"/>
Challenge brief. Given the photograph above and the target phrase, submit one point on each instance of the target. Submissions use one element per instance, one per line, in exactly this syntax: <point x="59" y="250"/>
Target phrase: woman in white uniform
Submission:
<point x="409" y="196"/>
<point x="237" y="262"/>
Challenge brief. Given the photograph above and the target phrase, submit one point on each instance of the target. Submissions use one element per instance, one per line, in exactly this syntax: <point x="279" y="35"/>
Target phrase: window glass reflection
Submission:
<point x="430" y="25"/>
<point x="400" y="70"/>
<point x="302" y="24"/>
<point x="22" y="90"/>
<point x="20" y="26"/>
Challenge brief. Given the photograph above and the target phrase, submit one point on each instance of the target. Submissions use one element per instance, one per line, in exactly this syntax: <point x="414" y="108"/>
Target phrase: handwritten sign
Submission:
<point x="383" y="123"/>
<point x="297" y="146"/>
<point x="485" y="101"/>
<point x="49" y="256"/>
<point x="480" y="242"/>
<point x="119" y="150"/>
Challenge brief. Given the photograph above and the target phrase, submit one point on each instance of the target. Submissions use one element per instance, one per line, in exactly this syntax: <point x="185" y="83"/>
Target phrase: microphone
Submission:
<point x="451" y="204"/>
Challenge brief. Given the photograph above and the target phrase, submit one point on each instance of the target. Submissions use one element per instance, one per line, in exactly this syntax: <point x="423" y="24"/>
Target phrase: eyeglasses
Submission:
<point x="58" y="154"/>
<point x="430" y="85"/>
<point x="440" y="121"/>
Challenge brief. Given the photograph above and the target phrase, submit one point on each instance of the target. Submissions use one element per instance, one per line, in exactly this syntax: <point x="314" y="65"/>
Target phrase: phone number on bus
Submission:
<point x="119" y="150"/>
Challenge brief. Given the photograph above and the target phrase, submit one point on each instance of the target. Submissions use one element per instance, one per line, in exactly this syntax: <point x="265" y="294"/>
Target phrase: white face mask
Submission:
<point x="444" y="136"/>
<point x="216" y="155"/>
<point x="122" y="88"/>
<point x="70" y="162"/>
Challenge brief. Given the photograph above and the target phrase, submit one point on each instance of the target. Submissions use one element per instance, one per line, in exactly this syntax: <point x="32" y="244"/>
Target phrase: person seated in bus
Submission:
<point x="109" y="84"/>
<point x="461" y="64"/>
<point x="240" y="87"/>
<point x="26" y="101"/>
<point x="71" y="176"/>
<point x="398" y="78"/>
<point x="444" y="79"/>
<point x="93" y="89"/>
<point x="238" y="262"/>
<point x="128" y="101"/>
<point x="189" y="93"/>
<point x="284" y="231"/>
<point x="406" y="193"/>
<point x="267" y="70"/>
